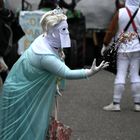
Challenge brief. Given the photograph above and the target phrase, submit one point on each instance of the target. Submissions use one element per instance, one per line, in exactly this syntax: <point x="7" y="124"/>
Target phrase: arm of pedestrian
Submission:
<point x="3" y="66"/>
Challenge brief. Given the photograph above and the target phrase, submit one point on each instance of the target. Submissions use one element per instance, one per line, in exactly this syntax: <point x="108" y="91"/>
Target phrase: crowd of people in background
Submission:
<point x="12" y="36"/>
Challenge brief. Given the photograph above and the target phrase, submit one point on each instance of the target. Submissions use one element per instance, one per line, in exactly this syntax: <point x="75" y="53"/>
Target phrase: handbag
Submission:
<point x="57" y="130"/>
<point x="110" y="54"/>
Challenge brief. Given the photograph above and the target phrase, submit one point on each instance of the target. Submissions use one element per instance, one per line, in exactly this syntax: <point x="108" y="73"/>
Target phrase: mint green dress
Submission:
<point x="28" y="95"/>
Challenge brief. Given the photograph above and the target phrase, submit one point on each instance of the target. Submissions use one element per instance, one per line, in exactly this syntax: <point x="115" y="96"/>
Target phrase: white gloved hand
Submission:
<point x="103" y="49"/>
<point x="94" y="69"/>
<point x="3" y="66"/>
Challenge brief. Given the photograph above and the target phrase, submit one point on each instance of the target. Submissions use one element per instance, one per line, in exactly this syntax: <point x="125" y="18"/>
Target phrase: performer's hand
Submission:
<point x="103" y="49"/>
<point x="3" y="66"/>
<point x="94" y="69"/>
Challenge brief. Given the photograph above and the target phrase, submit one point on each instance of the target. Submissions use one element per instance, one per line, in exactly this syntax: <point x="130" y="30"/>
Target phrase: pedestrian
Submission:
<point x="30" y="87"/>
<point x="10" y="33"/>
<point x="128" y="63"/>
<point x="5" y="33"/>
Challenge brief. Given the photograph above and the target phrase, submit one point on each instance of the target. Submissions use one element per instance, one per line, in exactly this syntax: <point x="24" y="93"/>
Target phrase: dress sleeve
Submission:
<point x="57" y="67"/>
<point x="112" y="29"/>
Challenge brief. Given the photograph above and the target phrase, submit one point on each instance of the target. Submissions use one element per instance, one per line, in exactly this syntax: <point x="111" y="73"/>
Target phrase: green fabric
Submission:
<point x="28" y="95"/>
<point x="26" y="102"/>
<point x="73" y="14"/>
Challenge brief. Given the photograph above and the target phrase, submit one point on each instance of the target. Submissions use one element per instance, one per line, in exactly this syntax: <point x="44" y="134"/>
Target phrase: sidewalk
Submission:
<point x="80" y="107"/>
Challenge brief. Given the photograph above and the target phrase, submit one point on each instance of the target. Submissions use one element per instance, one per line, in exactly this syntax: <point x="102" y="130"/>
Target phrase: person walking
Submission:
<point x="5" y="17"/>
<point x="10" y="33"/>
<point x="128" y="58"/>
<point x="31" y="86"/>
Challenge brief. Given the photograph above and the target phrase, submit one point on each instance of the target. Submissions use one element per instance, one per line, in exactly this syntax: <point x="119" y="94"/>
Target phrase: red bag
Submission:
<point x="58" y="130"/>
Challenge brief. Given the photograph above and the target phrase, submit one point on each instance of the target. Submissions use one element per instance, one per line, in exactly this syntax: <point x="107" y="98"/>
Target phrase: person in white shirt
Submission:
<point x="128" y="58"/>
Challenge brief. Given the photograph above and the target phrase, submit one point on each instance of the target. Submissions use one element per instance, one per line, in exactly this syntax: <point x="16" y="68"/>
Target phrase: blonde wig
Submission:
<point x="52" y="18"/>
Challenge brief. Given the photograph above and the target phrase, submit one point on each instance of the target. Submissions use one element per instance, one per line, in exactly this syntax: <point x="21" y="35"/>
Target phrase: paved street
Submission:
<point x="81" y="109"/>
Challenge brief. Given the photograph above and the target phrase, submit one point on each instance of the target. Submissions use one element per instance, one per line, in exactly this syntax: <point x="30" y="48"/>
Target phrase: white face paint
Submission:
<point x="64" y="35"/>
<point x="58" y="36"/>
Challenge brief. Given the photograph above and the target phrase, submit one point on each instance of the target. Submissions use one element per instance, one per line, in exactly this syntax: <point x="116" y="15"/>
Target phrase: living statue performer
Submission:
<point x="29" y="90"/>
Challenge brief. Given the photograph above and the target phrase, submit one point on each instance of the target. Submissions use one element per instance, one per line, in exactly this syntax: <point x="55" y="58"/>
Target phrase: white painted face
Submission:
<point x="64" y="35"/>
<point x="59" y="34"/>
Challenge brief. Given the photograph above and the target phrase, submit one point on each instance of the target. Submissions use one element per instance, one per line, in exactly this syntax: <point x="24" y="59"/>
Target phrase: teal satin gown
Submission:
<point x="28" y="95"/>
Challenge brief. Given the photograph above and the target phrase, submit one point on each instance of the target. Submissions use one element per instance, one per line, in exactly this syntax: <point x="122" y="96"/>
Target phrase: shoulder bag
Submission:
<point x="110" y="54"/>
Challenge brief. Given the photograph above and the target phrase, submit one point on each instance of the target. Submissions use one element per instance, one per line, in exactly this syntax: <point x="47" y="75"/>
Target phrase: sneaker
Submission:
<point x="112" y="107"/>
<point x="137" y="107"/>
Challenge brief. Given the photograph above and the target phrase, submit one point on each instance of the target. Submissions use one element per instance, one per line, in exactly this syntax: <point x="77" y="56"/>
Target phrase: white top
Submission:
<point x="124" y="18"/>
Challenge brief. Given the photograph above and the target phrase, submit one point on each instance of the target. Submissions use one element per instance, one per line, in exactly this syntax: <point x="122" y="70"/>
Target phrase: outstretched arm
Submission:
<point x="57" y="67"/>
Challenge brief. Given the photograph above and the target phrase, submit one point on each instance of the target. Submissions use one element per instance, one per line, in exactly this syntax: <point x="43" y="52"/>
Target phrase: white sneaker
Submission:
<point x="137" y="107"/>
<point x="112" y="107"/>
